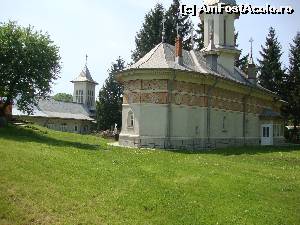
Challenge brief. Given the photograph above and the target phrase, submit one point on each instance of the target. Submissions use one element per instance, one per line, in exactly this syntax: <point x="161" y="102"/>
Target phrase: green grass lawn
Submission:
<point x="49" y="177"/>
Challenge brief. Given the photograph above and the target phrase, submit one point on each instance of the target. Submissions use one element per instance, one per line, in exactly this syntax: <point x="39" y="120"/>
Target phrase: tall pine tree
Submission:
<point x="293" y="81"/>
<point x="271" y="74"/>
<point x="150" y="34"/>
<point x="199" y="37"/>
<point x="242" y="61"/>
<point x="185" y="24"/>
<point x="109" y="105"/>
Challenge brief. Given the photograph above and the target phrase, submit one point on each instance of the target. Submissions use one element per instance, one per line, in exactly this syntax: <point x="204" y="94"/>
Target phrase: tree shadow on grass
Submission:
<point x="23" y="134"/>
<point x="248" y="150"/>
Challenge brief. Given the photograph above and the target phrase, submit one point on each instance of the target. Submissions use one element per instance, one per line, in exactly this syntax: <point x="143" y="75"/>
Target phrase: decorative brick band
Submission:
<point x="190" y="94"/>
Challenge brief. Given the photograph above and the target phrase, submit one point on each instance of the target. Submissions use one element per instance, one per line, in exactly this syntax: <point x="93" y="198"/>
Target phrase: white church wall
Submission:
<point x="188" y="122"/>
<point x="230" y="29"/>
<point x="218" y="27"/>
<point x="66" y="125"/>
<point x="226" y="124"/>
<point x="227" y="61"/>
<point x="154" y="120"/>
<point x="127" y="130"/>
<point x="252" y="125"/>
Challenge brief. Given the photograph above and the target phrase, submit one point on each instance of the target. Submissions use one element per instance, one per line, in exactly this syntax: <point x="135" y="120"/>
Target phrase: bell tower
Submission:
<point x="221" y="27"/>
<point x="84" y="88"/>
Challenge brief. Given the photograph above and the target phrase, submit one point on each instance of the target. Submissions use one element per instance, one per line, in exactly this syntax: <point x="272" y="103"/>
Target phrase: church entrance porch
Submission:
<point x="266" y="134"/>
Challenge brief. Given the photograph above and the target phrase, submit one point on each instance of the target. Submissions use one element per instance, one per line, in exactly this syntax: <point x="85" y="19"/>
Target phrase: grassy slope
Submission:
<point x="48" y="177"/>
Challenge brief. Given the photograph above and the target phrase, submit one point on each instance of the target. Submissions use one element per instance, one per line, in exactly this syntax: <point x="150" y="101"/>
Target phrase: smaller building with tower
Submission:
<point x="77" y="116"/>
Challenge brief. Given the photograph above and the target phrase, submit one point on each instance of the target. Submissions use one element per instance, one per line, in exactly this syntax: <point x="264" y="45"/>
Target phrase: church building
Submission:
<point x="175" y="98"/>
<point x="77" y="116"/>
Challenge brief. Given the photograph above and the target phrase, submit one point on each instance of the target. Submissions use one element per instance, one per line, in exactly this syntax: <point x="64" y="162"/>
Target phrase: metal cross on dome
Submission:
<point x="86" y="57"/>
<point x="163" y="31"/>
<point x="177" y="24"/>
<point x="251" y="50"/>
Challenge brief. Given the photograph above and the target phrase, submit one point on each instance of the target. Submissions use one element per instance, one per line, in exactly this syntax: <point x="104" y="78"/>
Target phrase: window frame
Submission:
<point x="130" y="119"/>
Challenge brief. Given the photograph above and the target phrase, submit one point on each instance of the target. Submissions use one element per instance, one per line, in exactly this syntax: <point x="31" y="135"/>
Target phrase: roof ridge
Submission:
<point x="154" y="50"/>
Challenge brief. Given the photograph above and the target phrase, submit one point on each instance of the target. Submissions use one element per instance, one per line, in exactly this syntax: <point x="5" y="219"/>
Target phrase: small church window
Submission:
<point x="266" y="132"/>
<point x="246" y="126"/>
<point x="50" y="125"/>
<point x="81" y="96"/>
<point x="130" y="119"/>
<point x="63" y="127"/>
<point x="197" y="130"/>
<point x="75" y="128"/>
<point x="77" y="96"/>
<point x="224" y="123"/>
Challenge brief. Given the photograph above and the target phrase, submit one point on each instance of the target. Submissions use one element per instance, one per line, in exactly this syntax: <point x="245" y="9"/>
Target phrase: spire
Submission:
<point x="251" y="51"/>
<point x="85" y="74"/>
<point x="177" y="29"/>
<point x="163" y="30"/>
<point x="251" y="72"/>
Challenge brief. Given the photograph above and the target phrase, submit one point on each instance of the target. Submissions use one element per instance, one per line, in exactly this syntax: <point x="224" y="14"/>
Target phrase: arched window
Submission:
<point x="224" y="123"/>
<point x="130" y="119"/>
<point x="81" y="96"/>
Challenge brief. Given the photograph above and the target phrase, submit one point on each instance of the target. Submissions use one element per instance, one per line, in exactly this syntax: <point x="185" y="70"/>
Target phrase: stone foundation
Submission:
<point x="186" y="144"/>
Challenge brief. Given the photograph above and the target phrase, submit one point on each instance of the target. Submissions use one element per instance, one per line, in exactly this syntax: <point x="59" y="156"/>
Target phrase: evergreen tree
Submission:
<point x="271" y="75"/>
<point x="109" y="105"/>
<point x="242" y="61"/>
<point x="150" y="34"/>
<point x="173" y="18"/>
<point x="199" y="37"/>
<point x="293" y="81"/>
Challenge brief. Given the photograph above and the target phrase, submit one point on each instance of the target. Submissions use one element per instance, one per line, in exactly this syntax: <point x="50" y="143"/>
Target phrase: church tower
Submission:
<point x="84" y="89"/>
<point x="221" y="28"/>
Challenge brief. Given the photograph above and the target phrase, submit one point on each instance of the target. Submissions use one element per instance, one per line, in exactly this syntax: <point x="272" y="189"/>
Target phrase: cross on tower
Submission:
<point x="251" y="50"/>
<point x="163" y="31"/>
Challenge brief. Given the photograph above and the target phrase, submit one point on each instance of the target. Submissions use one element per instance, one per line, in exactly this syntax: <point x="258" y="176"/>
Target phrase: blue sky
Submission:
<point x="106" y="29"/>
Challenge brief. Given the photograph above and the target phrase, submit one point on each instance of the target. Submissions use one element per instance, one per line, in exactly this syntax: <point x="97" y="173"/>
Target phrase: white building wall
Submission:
<point x="66" y="125"/>
<point x="188" y="124"/>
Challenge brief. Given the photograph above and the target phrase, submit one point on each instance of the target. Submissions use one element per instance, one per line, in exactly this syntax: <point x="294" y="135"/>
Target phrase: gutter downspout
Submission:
<point x="169" y="110"/>
<point x="245" y="98"/>
<point x="209" y="108"/>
